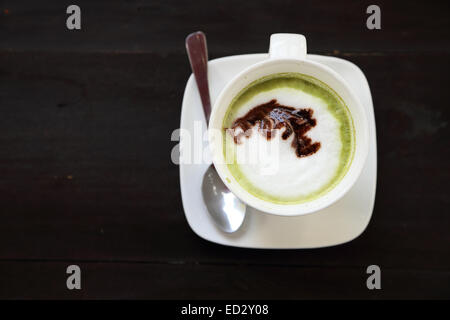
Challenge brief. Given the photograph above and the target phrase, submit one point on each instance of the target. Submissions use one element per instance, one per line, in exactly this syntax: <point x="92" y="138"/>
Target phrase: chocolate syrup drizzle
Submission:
<point x="270" y="116"/>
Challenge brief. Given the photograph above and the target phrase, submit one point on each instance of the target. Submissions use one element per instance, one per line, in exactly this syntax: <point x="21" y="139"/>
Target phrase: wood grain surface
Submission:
<point x="86" y="176"/>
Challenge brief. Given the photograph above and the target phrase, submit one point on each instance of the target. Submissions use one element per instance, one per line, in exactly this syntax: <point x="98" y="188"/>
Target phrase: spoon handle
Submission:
<point x="198" y="57"/>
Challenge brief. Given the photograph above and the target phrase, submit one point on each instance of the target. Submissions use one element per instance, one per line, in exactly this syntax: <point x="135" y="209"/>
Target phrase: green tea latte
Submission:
<point x="288" y="138"/>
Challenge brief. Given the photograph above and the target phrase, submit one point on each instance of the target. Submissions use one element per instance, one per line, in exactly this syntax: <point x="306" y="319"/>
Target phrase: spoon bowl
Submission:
<point x="226" y="209"/>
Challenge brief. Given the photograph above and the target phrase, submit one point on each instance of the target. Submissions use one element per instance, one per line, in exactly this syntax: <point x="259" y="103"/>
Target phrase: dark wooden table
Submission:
<point x="85" y="170"/>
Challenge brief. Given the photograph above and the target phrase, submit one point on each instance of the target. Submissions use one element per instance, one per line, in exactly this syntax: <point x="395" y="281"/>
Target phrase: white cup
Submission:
<point x="287" y="53"/>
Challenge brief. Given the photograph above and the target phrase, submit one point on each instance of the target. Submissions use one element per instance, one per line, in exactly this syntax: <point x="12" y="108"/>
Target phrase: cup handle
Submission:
<point x="287" y="46"/>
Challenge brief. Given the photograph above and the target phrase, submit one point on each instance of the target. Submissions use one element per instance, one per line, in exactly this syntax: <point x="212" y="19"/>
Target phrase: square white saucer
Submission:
<point x="342" y="222"/>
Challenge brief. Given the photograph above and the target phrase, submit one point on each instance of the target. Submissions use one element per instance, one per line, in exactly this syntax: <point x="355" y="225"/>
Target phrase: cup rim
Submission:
<point x="323" y="201"/>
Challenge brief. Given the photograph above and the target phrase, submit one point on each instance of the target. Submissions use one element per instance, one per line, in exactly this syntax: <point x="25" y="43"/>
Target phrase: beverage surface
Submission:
<point x="288" y="138"/>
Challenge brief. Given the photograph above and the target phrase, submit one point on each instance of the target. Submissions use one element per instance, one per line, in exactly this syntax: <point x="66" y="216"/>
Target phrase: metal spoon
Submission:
<point x="227" y="211"/>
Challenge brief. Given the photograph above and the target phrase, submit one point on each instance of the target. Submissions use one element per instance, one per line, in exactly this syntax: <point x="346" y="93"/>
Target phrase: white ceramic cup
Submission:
<point x="288" y="54"/>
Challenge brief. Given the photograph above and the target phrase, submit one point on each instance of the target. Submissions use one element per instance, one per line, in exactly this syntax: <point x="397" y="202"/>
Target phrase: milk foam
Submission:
<point x="272" y="166"/>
